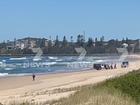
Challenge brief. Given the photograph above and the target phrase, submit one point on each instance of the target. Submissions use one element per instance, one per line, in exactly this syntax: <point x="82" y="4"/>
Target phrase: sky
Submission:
<point x="44" y="18"/>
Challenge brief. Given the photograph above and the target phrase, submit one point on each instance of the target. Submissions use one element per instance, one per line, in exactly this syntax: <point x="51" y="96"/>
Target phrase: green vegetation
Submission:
<point x="96" y="96"/>
<point x="128" y="84"/>
<point x="57" y="47"/>
<point x="124" y="90"/>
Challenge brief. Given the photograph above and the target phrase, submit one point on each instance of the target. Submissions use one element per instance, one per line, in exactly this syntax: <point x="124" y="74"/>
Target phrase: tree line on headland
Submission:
<point x="65" y="47"/>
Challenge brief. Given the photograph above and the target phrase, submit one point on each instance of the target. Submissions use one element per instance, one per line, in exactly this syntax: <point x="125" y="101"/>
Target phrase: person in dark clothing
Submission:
<point x="115" y="66"/>
<point x="33" y="77"/>
<point x="111" y="66"/>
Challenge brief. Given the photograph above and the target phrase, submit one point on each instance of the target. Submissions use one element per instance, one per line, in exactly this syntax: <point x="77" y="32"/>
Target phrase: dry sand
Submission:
<point x="46" y="87"/>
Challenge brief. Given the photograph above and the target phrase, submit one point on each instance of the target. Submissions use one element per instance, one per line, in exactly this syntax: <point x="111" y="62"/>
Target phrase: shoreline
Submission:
<point x="44" y="88"/>
<point x="46" y="73"/>
<point x="40" y="77"/>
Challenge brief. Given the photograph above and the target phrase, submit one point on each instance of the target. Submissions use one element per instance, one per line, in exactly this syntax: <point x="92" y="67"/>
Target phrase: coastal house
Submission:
<point x="32" y="44"/>
<point x="10" y="45"/>
<point x="46" y="43"/>
<point x="20" y="45"/>
<point x="26" y="43"/>
<point x="137" y="46"/>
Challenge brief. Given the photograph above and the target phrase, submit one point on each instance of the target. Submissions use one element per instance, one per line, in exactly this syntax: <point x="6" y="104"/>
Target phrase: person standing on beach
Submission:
<point x="115" y="66"/>
<point x="33" y="76"/>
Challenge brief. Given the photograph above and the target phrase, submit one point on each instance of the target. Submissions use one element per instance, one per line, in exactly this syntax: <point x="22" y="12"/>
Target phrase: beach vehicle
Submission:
<point x="97" y="66"/>
<point x="125" y="64"/>
<point x="102" y="66"/>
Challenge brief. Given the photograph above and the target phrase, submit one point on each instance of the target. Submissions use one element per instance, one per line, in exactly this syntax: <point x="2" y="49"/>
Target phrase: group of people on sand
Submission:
<point x="104" y="66"/>
<point x="111" y="66"/>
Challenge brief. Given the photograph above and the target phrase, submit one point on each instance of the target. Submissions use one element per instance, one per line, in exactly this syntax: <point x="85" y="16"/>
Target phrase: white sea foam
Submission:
<point x="1" y="63"/>
<point x="49" y="63"/>
<point x="22" y="58"/>
<point x="59" y="60"/>
<point x="3" y="74"/>
<point x="8" y="69"/>
<point x="22" y="74"/>
<point x="99" y="61"/>
<point x="53" y="58"/>
<point x="3" y="60"/>
<point x="37" y="59"/>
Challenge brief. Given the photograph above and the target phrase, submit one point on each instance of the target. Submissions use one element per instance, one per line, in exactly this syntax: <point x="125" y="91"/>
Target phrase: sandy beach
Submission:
<point x="47" y="87"/>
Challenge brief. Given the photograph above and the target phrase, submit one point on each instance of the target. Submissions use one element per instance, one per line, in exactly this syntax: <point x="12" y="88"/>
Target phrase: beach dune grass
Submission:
<point x="89" y="95"/>
<point x="128" y="84"/>
<point x="124" y="90"/>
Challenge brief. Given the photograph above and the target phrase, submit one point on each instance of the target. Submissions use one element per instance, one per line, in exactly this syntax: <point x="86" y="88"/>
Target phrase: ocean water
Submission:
<point x="18" y="66"/>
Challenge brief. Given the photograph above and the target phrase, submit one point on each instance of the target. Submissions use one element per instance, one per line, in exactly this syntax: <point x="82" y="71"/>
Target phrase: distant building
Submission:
<point x="20" y="45"/>
<point x="10" y="45"/>
<point x="137" y="46"/>
<point x="32" y="43"/>
<point x="105" y="43"/>
<point x="26" y="43"/>
<point x="46" y="43"/>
